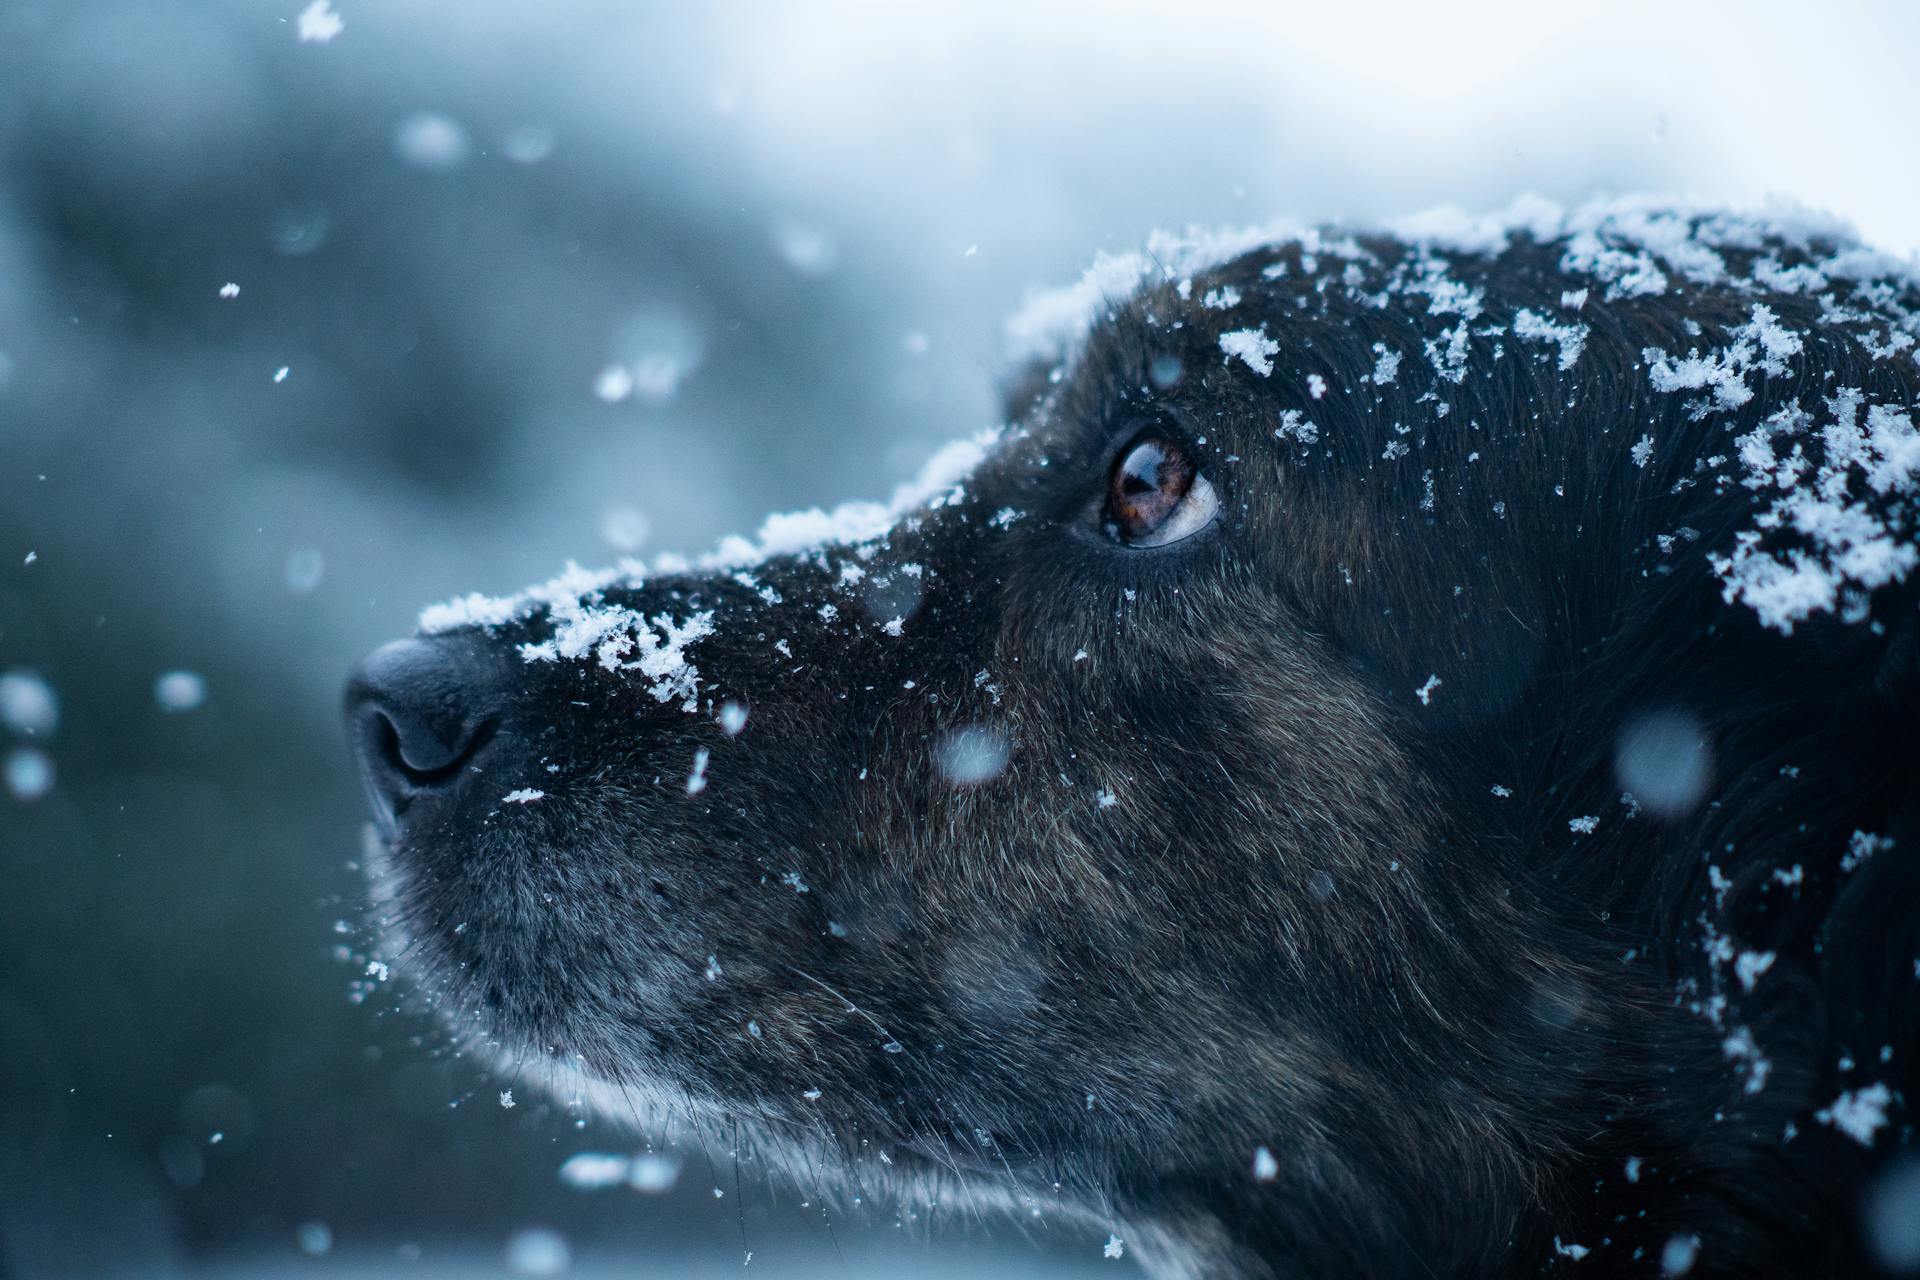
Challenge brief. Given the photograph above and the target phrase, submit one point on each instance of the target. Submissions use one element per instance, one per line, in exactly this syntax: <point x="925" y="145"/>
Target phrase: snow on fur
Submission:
<point x="1834" y="526"/>
<point x="1835" y="480"/>
<point x="585" y="624"/>
<point x="1823" y="540"/>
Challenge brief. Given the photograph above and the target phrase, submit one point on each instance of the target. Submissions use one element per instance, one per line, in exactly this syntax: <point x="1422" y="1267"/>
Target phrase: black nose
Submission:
<point x="419" y="713"/>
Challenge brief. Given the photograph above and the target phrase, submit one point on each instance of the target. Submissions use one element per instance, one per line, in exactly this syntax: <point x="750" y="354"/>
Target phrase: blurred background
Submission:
<point x="309" y="316"/>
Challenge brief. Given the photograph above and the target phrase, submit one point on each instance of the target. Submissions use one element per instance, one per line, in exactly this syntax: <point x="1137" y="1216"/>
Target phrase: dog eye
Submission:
<point x="1156" y="494"/>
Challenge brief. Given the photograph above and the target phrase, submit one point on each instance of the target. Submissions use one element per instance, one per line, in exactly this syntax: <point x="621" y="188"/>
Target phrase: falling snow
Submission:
<point x="319" y="24"/>
<point x="180" y="690"/>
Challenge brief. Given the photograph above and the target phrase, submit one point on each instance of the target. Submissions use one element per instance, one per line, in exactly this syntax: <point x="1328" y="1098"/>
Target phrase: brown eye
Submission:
<point x="1156" y="494"/>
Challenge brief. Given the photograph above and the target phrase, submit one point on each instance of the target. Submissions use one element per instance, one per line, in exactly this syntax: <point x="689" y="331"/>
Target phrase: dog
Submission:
<point x="1401" y="758"/>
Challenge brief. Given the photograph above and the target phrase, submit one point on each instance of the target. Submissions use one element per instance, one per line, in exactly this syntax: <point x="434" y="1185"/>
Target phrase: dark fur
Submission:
<point x="1307" y="924"/>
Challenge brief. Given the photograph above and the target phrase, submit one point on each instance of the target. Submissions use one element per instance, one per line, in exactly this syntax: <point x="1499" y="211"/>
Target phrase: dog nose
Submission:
<point x="419" y="712"/>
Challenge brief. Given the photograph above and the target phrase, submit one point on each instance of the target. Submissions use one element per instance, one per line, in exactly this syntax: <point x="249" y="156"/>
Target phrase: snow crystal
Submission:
<point x="1445" y="295"/>
<point x="525" y="795"/>
<point x="592" y="1170"/>
<point x="314" y="1238"/>
<point x="1425" y="691"/>
<point x="1253" y="346"/>
<point x="1316" y="386"/>
<point x="430" y="140"/>
<point x="1893" y="1216"/>
<point x="1642" y="452"/>
<point x="1265" y="1167"/>
<point x="614" y="384"/>
<point x="1633" y="1168"/>
<point x="808" y="250"/>
<point x="733" y="718"/>
<point x="179" y="690"/>
<point x="1502" y="792"/>
<point x="1449" y="359"/>
<point x="506" y="1099"/>
<point x="618" y="638"/>
<point x="625" y="529"/>
<point x="29" y="773"/>
<point x="229" y="290"/>
<point x="1573" y="299"/>
<point x="1696" y="372"/>
<point x="1114" y="1248"/>
<point x="971" y="755"/>
<point x="538" y="1252"/>
<point x="1662" y="758"/>
<point x="1105" y="798"/>
<point x="1294" y="426"/>
<point x="1858" y="1113"/>
<point x="1839" y="541"/>
<point x="654" y="1173"/>
<point x="1761" y="345"/>
<point x="304" y="568"/>
<point x="319" y="23"/>
<point x="1862" y="845"/>
<point x="528" y="143"/>
<point x="1529" y="326"/>
<point x="1740" y="1046"/>
<point x="1221" y="299"/>
<point x="1386" y="367"/>
<point x="28" y="705"/>
<point x="1677" y="1258"/>
<point x="697" y="780"/>
<point x="1583" y="826"/>
<point x="1749" y="965"/>
<point x="1573" y="1251"/>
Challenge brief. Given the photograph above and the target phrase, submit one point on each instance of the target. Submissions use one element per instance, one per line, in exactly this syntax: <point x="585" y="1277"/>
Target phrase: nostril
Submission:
<point x="420" y="712"/>
<point x="421" y="759"/>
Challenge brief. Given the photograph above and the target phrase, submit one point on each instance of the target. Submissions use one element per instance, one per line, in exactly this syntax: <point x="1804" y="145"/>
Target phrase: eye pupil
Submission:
<point x="1149" y="482"/>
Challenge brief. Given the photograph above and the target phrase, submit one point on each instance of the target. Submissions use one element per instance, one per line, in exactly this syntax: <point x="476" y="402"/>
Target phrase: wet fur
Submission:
<point x="1307" y="923"/>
